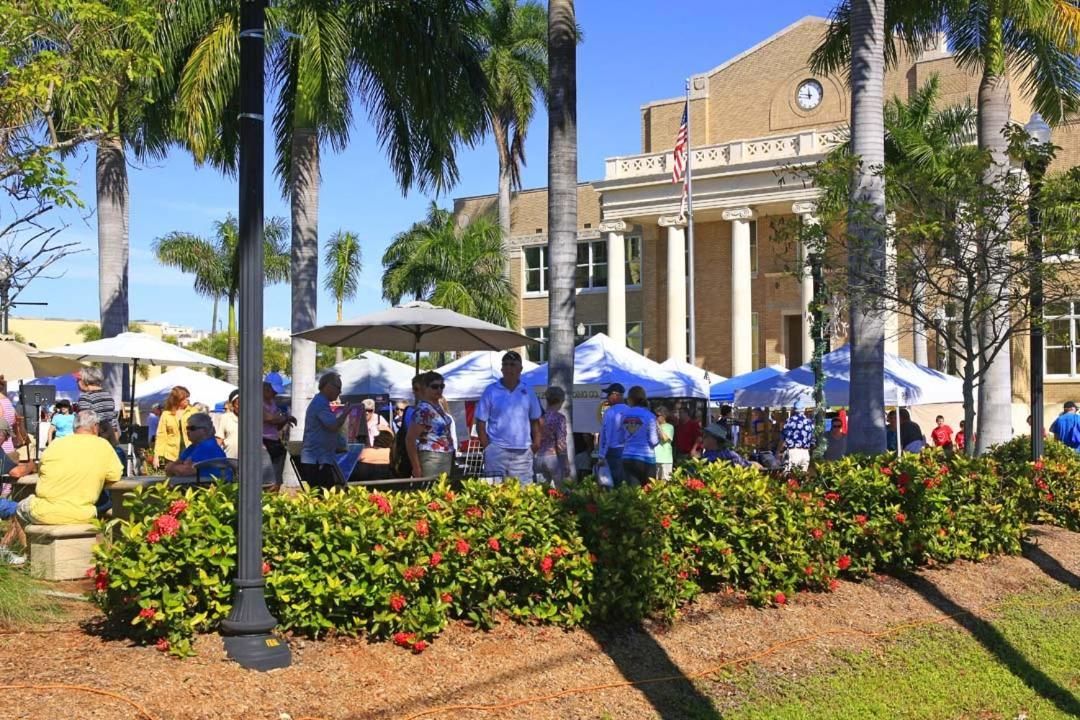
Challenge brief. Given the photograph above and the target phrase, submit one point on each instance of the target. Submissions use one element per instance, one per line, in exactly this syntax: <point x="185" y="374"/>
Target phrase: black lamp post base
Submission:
<point x="248" y="637"/>
<point x="258" y="652"/>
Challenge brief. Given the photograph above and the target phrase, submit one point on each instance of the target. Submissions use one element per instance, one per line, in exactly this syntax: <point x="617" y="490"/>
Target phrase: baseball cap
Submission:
<point x="614" y="388"/>
<point x="1070" y="405"/>
<point x="274" y="381"/>
<point x="717" y="430"/>
<point x="511" y="356"/>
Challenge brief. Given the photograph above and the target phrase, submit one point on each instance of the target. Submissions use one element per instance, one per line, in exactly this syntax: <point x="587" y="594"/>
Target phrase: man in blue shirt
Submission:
<point x="1066" y="427"/>
<point x="508" y="424"/>
<point x="204" y="446"/>
<point x="322" y="428"/>
<point x="797" y="438"/>
<point x="611" y="445"/>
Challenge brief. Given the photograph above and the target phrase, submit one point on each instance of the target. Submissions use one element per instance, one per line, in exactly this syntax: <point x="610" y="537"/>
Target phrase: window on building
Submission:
<point x="537" y="353"/>
<point x="591" y="265"/>
<point x="633" y="260"/>
<point x="1062" y="335"/>
<point x="536" y="269"/>
<point x="753" y="248"/>
<point x="755" y="344"/>
<point x="635" y="337"/>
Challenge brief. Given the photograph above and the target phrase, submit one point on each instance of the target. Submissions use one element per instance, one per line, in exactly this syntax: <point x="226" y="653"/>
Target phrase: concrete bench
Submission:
<point x="61" y="552"/>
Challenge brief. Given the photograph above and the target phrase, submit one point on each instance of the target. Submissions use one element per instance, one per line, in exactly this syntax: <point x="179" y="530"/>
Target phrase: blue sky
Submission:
<point x="634" y="51"/>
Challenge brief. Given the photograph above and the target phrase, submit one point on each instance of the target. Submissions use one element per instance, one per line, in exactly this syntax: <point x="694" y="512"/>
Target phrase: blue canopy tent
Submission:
<point x="67" y="386"/>
<point x="725" y="391"/>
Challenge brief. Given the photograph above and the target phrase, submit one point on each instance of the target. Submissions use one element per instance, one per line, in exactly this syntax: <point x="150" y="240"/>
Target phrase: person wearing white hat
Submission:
<point x="797" y="438"/>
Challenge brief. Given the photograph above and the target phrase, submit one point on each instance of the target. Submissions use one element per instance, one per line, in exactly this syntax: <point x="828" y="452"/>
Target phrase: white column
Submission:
<point x="892" y="319"/>
<point x="805" y="211"/>
<point x="616" y="288"/>
<point x="676" y="286"/>
<point x="742" y="351"/>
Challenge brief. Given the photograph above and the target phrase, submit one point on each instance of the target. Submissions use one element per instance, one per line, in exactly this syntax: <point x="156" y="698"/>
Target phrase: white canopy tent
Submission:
<point x="691" y="370"/>
<point x="905" y="384"/>
<point x="600" y="361"/>
<point x="373" y="374"/>
<point x="465" y="378"/>
<point x="203" y="388"/>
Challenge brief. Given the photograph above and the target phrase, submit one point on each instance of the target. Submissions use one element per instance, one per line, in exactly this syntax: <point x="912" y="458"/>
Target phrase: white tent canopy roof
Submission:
<point x="203" y="388"/>
<point x="373" y="374"/>
<point x="905" y="384"/>
<point x="600" y="361"/>
<point x="132" y="346"/>
<point x="465" y="378"/>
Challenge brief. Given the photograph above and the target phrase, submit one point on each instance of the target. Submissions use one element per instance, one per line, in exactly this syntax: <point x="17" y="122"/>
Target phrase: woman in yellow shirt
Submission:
<point x="172" y="428"/>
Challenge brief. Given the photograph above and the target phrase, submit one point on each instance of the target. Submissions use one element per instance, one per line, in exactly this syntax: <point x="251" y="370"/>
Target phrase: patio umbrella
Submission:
<point x="19" y="360"/>
<point x="417" y="327"/>
<point x="135" y="348"/>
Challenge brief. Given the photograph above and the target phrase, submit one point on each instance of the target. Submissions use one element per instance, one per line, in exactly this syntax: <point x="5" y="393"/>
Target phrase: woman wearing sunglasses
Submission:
<point x="429" y="442"/>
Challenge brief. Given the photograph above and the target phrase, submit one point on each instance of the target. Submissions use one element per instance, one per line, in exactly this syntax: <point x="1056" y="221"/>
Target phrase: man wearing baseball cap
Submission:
<point x="1066" y="427"/>
<point x="610" y="442"/>
<point x="508" y="423"/>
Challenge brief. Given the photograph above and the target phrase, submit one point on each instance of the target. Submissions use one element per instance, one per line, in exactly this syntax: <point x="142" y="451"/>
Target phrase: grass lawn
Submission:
<point x="1025" y="661"/>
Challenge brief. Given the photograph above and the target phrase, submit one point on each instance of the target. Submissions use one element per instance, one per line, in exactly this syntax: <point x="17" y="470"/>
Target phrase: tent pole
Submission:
<point x="131" y="419"/>
<point x="899" y="449"/>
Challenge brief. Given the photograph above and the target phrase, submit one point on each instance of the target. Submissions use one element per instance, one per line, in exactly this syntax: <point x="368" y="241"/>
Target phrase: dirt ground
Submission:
<point x="521" y="669"/>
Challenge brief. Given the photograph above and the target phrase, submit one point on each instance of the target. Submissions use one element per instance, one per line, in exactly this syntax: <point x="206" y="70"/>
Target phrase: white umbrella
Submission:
<point x="18" y="360"/>
<point x="203" y="388"/>
<point x="417" y="327"/>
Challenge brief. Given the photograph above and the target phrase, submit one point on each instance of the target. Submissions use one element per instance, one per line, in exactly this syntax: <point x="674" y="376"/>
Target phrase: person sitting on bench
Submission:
<point x="74" y="471"/>
<point x="11" y="467"/>
<point x="204" y="446"/>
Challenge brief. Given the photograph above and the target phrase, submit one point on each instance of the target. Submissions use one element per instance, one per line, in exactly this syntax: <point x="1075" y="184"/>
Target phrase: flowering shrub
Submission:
<point x="397" y="566"/>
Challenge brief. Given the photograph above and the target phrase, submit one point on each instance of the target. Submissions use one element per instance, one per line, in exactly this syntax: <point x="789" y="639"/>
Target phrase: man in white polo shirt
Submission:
<point x="508" y="424"/>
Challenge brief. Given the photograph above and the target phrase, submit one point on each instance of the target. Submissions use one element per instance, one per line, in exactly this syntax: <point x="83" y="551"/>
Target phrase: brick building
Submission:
<point x="758" y="112"/>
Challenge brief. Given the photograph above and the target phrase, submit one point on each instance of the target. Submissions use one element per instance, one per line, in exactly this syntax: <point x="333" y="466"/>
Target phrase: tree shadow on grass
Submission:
<point x="995" y="642"/>
<point x="1050" y="565"/>
<point x="641" y="659"/>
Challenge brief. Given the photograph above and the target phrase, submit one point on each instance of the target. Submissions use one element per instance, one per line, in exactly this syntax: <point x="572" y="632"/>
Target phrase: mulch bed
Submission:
<point x="352" y="678"/>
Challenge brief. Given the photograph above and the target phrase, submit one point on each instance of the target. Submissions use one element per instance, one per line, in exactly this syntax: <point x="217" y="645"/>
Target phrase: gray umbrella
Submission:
<point x="417" y="327"/>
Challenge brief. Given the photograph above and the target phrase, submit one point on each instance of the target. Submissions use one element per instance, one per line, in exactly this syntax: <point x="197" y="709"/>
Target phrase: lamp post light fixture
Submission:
<point x="248" y="631"/>
<point x="1039" y="133"/>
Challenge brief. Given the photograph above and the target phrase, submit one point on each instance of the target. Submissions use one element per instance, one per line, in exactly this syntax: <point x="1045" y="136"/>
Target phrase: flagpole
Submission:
<point x="690" y="234"/>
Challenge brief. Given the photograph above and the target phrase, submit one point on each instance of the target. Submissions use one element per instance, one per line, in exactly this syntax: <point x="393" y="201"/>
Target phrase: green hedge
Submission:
<point x="400" y="565"/>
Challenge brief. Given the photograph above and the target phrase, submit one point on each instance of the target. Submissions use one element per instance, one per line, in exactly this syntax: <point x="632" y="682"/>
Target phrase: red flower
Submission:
<point x="832" y="496"/>
<point x="683" y="575"/>
<point x="860" y="520"/>
<point x="422" y="528"/>
<point x="462" y="547"/>
<point x="419" y="646"/>
<point x="1038" y="465"/>
<point x="474" y="512"/>
<point x="779" y="598"/>
<point x="378" y="548"/>
<point x="694" y="484"/>
<point x="809" y="570"/>
<point x="449" y="495"/>
<point x="413" y="573"/>
<point x="559" y="551"/>
<point x="1049" y="497"/>
<point x="162" y="644"/>
<point x="666" y="522"/>
<point x="434" y="506"/>
<point x="266" y="568"/>
<point x="382" y="503"/>
<point x="153" y="536"/>
<point x="592" y="559"/>
<point x="590" y="508"/>
<point x="833" y="584"/>
<point x="397" y="602"/>
<point x="886" y="471"/>
<point x="904" y="479"/>
<point x="828" y="524"/>
<point x="177" y="507"/>
<point x="552" y="492"/>
<point x="546" y="564"/>
<point x="166" y="525"/>
<point x="101" y="584"/>
<point x="793" y="483"/>
<point x="844" y="562"/>
<point x="90" y="571"/>
<point x="147" y="613"/>
<point x="493" y="543"/>
<point x="436" y="558"/>
<point x="901" y="517"/>
<point x="1041" y="484"/>
<point x="447" y="598"/>
<point x="943" y="470"/>
<point x="816" y="533"/>
<point x="404" y="639"/>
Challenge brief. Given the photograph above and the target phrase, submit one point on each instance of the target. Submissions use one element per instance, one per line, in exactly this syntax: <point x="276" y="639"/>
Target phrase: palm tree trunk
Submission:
<point x="562" y="193"/>
<point x="995" y="388"/>
<point x="502" y="140"/>
<point x="304" y="197"/>
<point x="213" y="317"/>
<point x="339" y="352"/>
<point x="866" y="225"/>
<point x="233" y="373"/>
<point x="112" y="211"/>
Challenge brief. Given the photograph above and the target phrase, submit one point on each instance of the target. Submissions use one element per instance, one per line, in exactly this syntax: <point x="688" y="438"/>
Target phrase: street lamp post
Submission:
<point x="1039" y="133"/>
<point x="249" y="638"/>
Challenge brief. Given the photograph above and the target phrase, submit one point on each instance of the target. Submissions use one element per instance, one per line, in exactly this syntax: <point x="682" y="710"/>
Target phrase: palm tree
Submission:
<point x="343" y="270"/>
<point x="460" y="268"/>
<point x="216" y="265"/>
<point x="514" y="40"/>
<point x="414" y="65"/>
<point x="562" y="191"/>
<point x="1037" y="39"/>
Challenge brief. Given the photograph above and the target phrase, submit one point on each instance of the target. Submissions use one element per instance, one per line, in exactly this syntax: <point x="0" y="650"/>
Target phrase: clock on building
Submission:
<point x="809" y="94"/>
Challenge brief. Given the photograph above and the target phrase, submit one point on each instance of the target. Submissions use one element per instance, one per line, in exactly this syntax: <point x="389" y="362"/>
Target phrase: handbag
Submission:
<point x="19" y="436"/>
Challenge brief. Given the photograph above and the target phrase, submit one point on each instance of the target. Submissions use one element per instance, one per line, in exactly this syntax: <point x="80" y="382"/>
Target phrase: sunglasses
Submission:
<point x="368" y="412"/>
<point x="193" y="428"/>
<point x="436" y="386"/>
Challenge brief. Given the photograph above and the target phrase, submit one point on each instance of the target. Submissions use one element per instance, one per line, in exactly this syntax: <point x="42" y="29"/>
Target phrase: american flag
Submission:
<point x="679" y="167"/>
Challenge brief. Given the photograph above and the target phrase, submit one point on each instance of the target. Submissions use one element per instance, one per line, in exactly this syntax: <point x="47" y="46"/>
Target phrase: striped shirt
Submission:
<point x="103" y="404"/>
